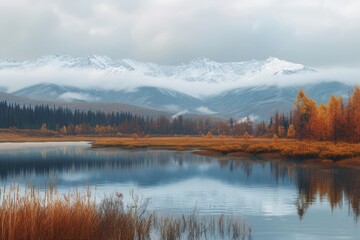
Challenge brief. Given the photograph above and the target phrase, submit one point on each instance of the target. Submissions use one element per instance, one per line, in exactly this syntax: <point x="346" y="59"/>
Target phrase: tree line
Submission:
<point x="335" y="121"/>
<point x="69" y="122"/>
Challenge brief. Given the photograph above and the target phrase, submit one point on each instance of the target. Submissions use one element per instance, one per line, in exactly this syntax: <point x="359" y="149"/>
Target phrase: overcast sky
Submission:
<point x="317" y="33"/>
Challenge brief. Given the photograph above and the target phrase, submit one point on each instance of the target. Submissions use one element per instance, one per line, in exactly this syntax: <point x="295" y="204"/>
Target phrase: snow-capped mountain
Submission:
<point x="200" y="69"/>
<point x="172" y="93"/>
<point x="66" y="62"/>
<point x="203" y="69"/>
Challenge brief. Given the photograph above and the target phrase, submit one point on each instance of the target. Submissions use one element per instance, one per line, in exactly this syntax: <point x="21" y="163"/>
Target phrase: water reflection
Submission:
<point x="75" y="164"/>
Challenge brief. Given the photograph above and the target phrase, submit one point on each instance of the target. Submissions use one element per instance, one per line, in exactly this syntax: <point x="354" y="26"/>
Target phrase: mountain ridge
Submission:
<point x="198" y="69"/>
<point x="260" y="101"/>
<point x="230" y="97"/>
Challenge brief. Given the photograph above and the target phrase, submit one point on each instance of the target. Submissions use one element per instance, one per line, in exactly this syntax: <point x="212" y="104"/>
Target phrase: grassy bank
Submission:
<point x="284" y="148"/>
<point x="27" y="135"/>
<point x="343" y="154"/>
<point x="48" y="215"/>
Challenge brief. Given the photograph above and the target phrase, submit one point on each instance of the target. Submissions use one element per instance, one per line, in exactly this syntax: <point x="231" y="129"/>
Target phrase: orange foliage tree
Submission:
<point x="334" y="121"/>
<point x="305" y="115"/>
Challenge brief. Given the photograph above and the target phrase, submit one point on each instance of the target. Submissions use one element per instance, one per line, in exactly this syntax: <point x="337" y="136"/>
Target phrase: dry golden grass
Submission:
<point x="47" y="215"/>
<point x="185" y="142"/>
<point x="283" y="147"/>
<point x="287" y="148"/>
<point x="72" y="216"/>
<point x="26" y="135"/>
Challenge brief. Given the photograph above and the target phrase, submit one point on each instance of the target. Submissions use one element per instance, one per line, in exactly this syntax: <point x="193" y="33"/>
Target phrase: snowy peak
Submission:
<point x="64" y="61"/>
<point x="200" y="69"/>
<point x="201" y="61"/>
<point x="150" y="69"/>
<point x="204" y="69"/>
<point x="93" y="61"/>
<point x="275" y="66"/>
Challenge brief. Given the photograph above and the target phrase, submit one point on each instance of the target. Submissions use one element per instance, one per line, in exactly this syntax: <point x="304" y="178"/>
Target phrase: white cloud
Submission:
<point x="205" y="110"/>
<point x="130" y="80"/>
<point x="313" y="32"/>
<point x="71" y="96"/>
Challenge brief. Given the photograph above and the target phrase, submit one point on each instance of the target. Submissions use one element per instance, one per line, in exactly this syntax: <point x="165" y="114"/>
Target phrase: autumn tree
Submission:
<point x="240" y="127"/>
<point x="291" y="131"/>
<point x="304" y="116"/>
<point x="281" y="131"/>
<point x="260" y="128"/>
<point x="78" y="130"/>
<point x="43" y="128"/>
<point x="355" y="105"/>
<point x="276" y="123"/>
<point x="322" y="123"/>
<point x="63" y="130"/>
<point x="335" y="115"/>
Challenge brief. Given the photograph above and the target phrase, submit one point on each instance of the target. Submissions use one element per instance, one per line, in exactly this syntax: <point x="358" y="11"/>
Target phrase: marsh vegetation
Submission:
<point x="37" y="215"/>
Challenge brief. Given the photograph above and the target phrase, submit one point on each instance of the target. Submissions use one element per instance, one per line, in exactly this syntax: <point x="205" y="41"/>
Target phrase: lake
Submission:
<point x="279" y="199"/>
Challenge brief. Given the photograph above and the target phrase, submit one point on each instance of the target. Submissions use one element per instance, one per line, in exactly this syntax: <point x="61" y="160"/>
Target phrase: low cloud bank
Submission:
<point x="12" y="80"/>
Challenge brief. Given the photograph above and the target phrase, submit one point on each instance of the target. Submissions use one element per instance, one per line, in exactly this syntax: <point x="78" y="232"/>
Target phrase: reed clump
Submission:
<point x="33" y="214"/>
<point x="193" y="227"/>
<point x="49" y="215"/>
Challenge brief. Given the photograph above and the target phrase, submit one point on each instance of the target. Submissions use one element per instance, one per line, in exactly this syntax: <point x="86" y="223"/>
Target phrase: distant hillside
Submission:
<point x="259" y="101"/>
<point x="147" y="97"/>
<point x="84" y="106"/>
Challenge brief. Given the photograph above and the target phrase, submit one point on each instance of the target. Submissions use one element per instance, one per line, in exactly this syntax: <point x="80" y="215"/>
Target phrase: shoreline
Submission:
<point x="281" y="150"/>
<point x="325" y="154"/>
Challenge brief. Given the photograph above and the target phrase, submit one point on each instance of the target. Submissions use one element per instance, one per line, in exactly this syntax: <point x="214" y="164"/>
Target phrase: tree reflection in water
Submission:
<point x="336" y="185"/>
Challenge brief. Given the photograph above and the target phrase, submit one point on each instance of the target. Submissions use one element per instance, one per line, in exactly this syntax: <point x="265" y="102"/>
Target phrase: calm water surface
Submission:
<point x="280" y="200"/>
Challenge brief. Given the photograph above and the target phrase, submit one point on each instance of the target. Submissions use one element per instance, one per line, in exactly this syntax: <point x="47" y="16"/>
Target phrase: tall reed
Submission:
<point x="33" y="214"/>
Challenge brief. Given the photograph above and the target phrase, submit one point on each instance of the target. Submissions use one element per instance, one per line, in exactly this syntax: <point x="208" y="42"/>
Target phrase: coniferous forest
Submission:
<point x="338" y="120"/>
